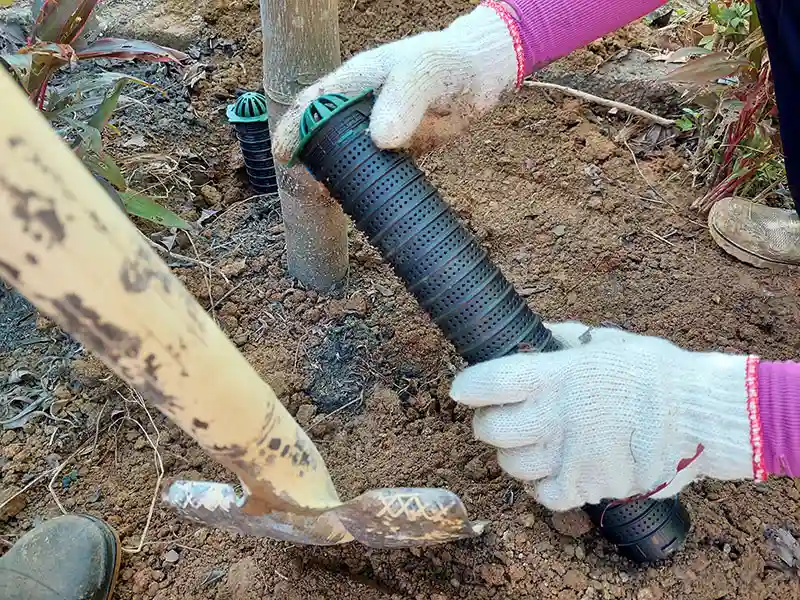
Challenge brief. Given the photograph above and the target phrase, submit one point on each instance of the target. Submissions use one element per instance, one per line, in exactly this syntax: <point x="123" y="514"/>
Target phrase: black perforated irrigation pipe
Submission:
<point x="453" y="279"/>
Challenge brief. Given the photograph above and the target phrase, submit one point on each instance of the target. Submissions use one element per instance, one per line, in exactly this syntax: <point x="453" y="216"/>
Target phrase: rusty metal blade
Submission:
<point x="218" y="505"/>
<point x="381" y="518"/>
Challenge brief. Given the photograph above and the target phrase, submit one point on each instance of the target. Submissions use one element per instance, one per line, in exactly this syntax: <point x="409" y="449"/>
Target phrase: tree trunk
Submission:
<point x="301" y="44"/>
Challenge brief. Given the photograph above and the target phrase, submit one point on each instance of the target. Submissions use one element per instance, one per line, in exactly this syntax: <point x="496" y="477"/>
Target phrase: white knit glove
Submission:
<point x="448" y="76"/>
<point x="611" y="417"/>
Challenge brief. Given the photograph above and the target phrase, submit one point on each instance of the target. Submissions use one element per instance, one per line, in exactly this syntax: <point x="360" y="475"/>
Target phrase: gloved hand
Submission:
<point x="450" y="75"/>
<point x="617" y="416"/>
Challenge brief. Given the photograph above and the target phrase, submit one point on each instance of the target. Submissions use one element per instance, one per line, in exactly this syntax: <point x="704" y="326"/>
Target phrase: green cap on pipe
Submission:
<point x="250" y="107"/>
<point x="319" y="112"/>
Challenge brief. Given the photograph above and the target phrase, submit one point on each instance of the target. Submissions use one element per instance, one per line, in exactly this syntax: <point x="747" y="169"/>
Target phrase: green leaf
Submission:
<point x="107" y="106"/>
<point x="684" y="124"/>
<point x="89" y="137"/>
<point x="105" y="167"/>
<point x="145" y="207"/>
<point x="128" y="49"/>
<point x="20" y="66"/>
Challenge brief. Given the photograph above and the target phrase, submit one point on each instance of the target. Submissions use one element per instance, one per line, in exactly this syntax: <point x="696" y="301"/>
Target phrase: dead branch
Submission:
<point x="602" y="101"/>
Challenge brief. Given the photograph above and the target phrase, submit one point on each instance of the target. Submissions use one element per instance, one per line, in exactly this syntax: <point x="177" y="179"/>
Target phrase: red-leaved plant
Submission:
<point x="61" y="36"/>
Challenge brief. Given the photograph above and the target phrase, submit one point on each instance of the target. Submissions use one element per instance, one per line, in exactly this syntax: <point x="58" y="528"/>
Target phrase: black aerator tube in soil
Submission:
<point x="451" y="276"/>
<point x="249" y="118"/>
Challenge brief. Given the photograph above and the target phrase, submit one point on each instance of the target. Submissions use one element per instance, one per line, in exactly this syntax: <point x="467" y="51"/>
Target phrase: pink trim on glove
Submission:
<point x="550" y="29"/>
<point x="753" y="412"/>
<point x="516" y="39"/>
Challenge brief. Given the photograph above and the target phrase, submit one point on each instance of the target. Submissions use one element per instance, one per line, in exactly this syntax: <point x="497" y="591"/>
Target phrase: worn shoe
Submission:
<point x="72" y="557"/>
<point x="759" y="235"/>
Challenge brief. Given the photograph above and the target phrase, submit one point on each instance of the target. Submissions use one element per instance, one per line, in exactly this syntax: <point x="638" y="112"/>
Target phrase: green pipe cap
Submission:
<point x="319" y="112"/>
<point x="250" y="107"/>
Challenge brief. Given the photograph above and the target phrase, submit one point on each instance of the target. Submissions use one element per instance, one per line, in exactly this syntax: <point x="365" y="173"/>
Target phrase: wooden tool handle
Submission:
<point x="75" y="255"/>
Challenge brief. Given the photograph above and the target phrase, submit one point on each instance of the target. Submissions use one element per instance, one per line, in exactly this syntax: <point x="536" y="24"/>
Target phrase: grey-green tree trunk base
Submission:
<point x="300" y="45"/>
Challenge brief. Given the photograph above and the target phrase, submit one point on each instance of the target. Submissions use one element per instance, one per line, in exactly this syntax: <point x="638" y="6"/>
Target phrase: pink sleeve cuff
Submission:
<point x="546" y="30"/>
<point x="773" y="402"/>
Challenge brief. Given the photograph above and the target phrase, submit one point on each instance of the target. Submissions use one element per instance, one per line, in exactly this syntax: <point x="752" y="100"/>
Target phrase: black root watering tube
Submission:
<point x="452" y="277"/>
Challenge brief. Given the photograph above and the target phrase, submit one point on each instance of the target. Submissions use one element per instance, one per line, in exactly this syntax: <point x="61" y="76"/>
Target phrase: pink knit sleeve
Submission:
<point x="773" y="397"/>
<point x="550" y="29"/>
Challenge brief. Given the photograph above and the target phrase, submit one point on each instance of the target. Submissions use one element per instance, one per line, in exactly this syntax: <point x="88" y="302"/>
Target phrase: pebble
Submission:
<point x="13" y="508"/>
<point x="573" y="523"/>
<point x="384" y="291"/>
<point x="356" y="304"/>
<point x="234" y="268"/>
<point x="580" y="553"/>
<point x="211" y="194"/>
<point x="575" y="580"/>
<point x="476" y="469"/>
<point x="527" y="520"/>
<point x="559" y="230"/>
<point x="493" y="574"/>
<point x="200" y="536"/>
<point x="171" y="557"/>
<point x="305" y="413"/>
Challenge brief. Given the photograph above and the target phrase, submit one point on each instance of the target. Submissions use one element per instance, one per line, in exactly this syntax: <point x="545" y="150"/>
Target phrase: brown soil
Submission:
<point x="572" y="222"/>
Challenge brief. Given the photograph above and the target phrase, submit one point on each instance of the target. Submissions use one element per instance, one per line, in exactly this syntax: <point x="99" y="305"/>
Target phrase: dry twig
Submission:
<point x="664" y="122"/>
<point x="158" y="464"/>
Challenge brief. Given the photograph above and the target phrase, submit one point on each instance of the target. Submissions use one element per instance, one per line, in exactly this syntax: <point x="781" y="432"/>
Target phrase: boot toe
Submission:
<point x="72" y="557"/>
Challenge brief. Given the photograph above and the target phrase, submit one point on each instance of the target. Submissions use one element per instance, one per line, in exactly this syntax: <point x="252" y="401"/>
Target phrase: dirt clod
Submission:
<point x="13" y="501"/>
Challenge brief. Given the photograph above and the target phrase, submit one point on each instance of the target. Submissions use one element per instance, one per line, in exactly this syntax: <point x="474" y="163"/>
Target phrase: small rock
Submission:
<point x="595" y="203"/>
<point x="580" y="553"/>
<point x="136" y="141"/>
<point x="649" y="594"/>
<point x="13" y="508"/>
<point x="43" y="323"/>
<point x="171" y="557"/>
<point x="157" y="575"/>
<point x="573" y="523"/>
<point x="10" y="436"/>
<point x="243" y="577"/>
<point x="575" y="580"/>
<point x="241" y="339"/>
<point x="211" y="194"/>
<point x="528" y="520"/>
<point x="356" y="304"/>
<point x="140" y="443"/>
<point x="234" y="268"/>
<point x="335" y="309"/>
<point x="312" y="315"/>
<point x="559" y="230"/>
<point x="305" y="413"/>
<point x="384" y="291"/>
<point x="516" y="572"/>
<point x="493" y="574"/>
<point x="200" y="536"/>
<point x="141" y="580"/>
<point x="476" y="469"/>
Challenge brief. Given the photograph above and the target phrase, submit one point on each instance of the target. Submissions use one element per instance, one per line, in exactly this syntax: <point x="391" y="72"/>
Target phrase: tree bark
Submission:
<point x="301" y="44"/>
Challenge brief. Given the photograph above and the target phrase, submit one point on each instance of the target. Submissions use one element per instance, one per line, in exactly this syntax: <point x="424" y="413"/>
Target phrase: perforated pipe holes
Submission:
<point x="449" y="273"/>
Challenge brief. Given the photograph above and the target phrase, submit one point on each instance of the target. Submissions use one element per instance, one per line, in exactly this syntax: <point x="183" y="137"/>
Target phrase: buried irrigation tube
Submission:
<point x="250" y="120"/>
<point x="453" y="279"/>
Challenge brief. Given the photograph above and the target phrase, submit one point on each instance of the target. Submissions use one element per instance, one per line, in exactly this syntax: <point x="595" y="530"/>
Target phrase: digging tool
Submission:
<point x="78" y="258"/>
